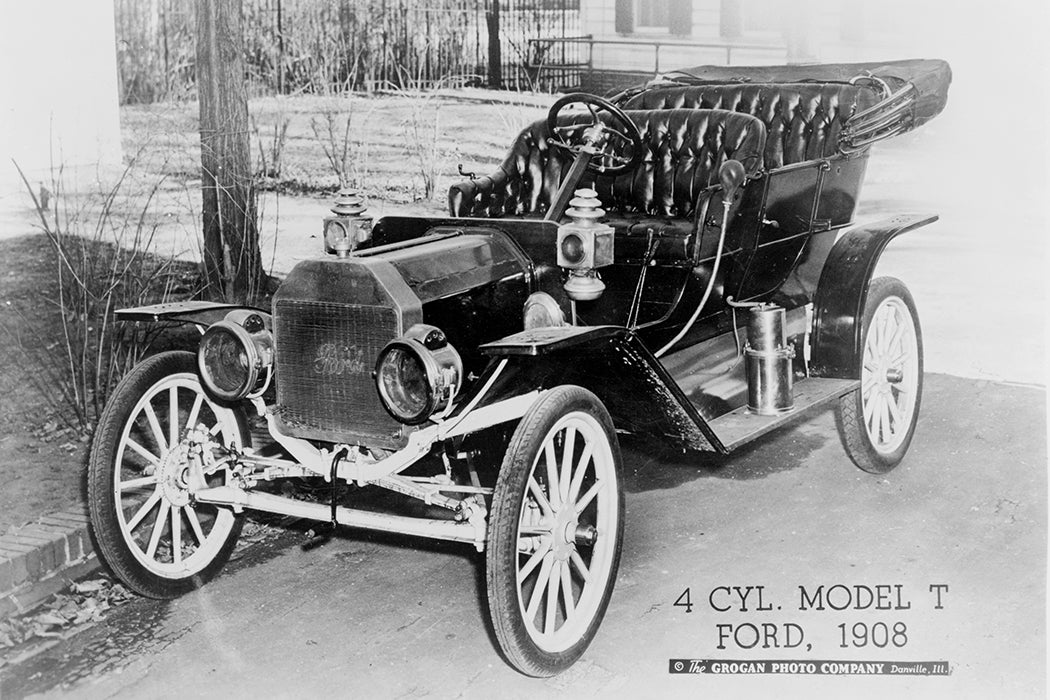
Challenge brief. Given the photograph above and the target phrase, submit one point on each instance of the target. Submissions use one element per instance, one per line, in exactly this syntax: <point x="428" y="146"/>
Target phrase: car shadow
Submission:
<point x="650" y="466"/>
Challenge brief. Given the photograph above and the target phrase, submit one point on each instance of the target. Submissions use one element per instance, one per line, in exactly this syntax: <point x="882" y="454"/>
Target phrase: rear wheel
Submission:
<point x="149" y="531"/>
<point x="877" y="421"/>
<point x="555" y="532"/>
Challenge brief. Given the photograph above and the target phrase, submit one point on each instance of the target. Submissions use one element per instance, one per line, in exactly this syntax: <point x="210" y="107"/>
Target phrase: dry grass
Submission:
<point x="399" y="147"/>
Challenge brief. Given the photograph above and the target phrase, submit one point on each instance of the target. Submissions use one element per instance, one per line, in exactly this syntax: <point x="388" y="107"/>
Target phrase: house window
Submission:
<point x="651" y="16"/>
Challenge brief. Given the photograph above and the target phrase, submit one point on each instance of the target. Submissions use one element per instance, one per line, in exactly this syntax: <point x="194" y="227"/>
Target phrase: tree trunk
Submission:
<point x="232" y="264"/>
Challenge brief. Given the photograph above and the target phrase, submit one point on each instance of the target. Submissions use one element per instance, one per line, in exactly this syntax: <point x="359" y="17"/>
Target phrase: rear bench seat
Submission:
<point x="684" y="149"/>
<point x="803" y="120"/>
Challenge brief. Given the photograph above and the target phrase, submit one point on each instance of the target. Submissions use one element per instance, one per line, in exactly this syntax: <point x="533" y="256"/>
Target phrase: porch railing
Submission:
<point x="581" y="48"/>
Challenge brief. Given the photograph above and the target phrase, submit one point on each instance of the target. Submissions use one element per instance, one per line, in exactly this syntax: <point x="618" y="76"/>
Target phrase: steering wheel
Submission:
<point x="604" y="139"/>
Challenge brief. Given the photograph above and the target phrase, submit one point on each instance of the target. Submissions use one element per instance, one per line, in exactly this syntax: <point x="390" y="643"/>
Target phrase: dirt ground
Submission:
<point x="41" y="459"/>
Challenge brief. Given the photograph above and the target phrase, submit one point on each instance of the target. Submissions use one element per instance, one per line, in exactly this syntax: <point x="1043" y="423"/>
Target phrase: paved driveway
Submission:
<point x="390" y="617"/>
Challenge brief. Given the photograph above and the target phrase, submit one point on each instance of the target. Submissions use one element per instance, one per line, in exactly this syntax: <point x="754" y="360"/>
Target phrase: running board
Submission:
<point x="741" y="426"/>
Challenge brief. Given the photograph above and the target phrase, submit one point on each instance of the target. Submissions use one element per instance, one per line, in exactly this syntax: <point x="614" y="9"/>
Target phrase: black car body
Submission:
<point x="676" y="263"/>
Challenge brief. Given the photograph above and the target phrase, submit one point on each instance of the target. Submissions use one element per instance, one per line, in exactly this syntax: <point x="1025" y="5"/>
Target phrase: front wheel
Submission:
<point x="877" y="421"/>
<point x="149" y="531"/>
<point x="555" y="532"/>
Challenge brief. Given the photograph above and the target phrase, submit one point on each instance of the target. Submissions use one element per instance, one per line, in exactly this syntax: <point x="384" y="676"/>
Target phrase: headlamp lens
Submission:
<point x="403" y="384"/>
<point x="418" y="374"/>
<point x="225" y="364"/>
<point x="233" y="360"/>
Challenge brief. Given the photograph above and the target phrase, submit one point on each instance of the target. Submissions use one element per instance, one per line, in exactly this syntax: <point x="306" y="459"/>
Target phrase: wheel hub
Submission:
<point x="173" y="476"/>
<point x="586" y="535"/>
<point x="886" y="375"/>
<point x="564" y="531"/>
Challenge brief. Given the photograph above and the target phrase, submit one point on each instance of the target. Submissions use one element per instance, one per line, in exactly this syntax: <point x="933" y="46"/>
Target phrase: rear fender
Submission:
<point x="200" y="313"/>
<point x="611" y="362"/>
<point x="843" y="291"/>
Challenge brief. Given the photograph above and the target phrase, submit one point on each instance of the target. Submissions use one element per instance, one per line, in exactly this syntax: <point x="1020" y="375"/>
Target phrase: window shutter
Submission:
<point x="624" y="16"/>
<point x="680" y="17"/>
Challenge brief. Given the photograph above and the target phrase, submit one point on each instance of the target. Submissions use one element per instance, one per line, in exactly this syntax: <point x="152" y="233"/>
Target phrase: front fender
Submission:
<point x="199" y="313"/>
<point x="611" y="362"/>
<point x="843" y="291"/>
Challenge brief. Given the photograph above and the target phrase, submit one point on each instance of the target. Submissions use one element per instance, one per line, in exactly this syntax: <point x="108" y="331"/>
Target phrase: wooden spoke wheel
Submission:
<point x="150" y="532"/>
<point x="877" y="421"/>
<point x="555" y="531"/>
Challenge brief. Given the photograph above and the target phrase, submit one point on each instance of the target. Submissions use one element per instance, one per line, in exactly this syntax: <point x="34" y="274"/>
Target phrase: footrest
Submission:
<point x="741" y="426"/>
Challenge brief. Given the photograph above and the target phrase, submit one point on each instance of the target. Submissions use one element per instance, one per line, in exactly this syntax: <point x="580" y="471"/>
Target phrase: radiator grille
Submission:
<point x="325" y="357"/>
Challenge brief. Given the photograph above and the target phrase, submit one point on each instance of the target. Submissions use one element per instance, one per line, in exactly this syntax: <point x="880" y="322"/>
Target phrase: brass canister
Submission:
<point x="768" y="358"/>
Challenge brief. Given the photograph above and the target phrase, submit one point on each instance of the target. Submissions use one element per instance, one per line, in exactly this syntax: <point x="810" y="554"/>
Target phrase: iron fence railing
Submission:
<point x="323" y="45"/>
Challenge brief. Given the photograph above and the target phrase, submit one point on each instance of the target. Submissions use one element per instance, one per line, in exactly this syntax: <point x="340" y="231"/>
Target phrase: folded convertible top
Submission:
<point x="913" y="91"/>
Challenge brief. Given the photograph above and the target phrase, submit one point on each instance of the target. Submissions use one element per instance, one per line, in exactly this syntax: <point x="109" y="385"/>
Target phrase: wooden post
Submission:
<point x="232" y="264"/>
<point x="168" y="82"/>
<point x="280" y="51"/>
<point x="495" y="52"/>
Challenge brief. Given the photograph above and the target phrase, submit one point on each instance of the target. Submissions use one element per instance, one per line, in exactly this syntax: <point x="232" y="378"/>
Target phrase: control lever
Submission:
<point x="731" y="175"/>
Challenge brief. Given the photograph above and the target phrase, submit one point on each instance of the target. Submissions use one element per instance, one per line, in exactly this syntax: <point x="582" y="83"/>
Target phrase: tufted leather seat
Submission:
<point x="803" y="120"/>
<point x="683" y="150"/>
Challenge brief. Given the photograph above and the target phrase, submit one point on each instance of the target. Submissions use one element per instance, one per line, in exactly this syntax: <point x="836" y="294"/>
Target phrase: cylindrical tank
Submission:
<point x="768" y="362"/>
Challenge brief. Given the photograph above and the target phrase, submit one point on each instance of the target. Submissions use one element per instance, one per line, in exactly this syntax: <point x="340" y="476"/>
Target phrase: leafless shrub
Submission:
<point x="342" y="139"/>
<point x="422" y="132"/>
<point x="270" y="147"/>
<point x="335" y="142"/>
<point x="102" y="263"/>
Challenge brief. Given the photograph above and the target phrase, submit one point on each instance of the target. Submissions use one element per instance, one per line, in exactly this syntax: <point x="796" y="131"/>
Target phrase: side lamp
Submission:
<point x="350" y="228"/>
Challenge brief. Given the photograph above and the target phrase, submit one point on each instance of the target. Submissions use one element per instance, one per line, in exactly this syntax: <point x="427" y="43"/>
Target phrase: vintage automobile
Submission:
<point x="676" y="263"/>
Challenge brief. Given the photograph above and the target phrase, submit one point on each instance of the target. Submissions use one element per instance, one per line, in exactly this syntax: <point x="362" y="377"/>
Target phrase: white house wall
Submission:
<point x="849" y="30"/>
<point x="598" y="18"/>
<point x="58" y="87"/>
